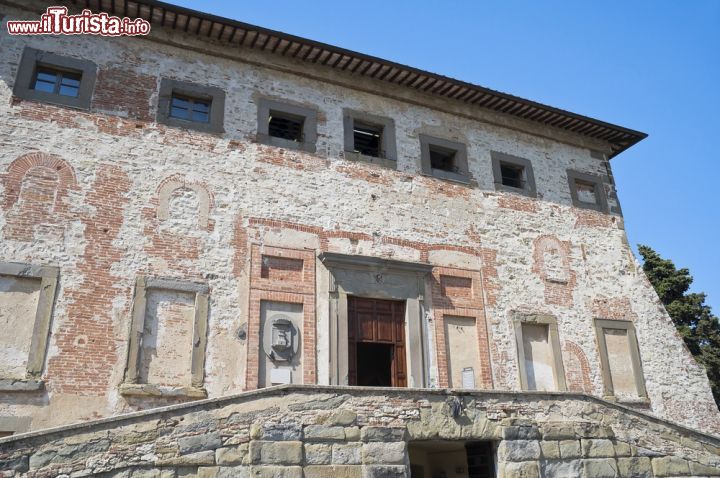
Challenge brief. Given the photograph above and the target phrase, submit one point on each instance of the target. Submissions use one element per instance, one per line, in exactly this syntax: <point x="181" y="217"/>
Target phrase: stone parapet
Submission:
<point x="321" y="431"/>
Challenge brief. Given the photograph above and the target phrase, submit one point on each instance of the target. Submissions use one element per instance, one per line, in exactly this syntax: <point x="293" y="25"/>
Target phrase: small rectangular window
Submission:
<point x="286" y="126"/>
<point x="57" y="82"/>
<point x="55" y="79"/>
<point x="46" y="80"/>
<point x="512" y="175"/>
<point x="191" y="106"/>
<point x="190" y="109"/>
<point x="587" y="190"/>
<point x="444" y="159"/>
<point x="368" y="139"/>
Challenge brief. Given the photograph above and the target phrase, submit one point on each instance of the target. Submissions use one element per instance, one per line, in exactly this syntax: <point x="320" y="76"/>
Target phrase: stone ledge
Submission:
<point x="628" y="402"/>
<point x="340" y="393"/>
<point x="150" y="390"/>
<point x="246" y="439"/>
<point x="15" y="385"/>
<point x="374" y="160"/>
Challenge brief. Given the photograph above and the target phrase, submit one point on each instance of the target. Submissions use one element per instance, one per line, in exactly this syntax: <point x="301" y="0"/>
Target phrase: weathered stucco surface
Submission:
<point x="109" y="195"/>
<point x="462" y="350"/>
<point x="20" y="299"/>
<point x="167" y="341"/>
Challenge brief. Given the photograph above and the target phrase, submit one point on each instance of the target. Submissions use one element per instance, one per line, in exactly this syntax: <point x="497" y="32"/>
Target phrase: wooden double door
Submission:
<point x="376" y="342"/>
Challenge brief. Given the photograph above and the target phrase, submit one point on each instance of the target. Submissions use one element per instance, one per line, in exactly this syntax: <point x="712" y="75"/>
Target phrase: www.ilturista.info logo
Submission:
<point x="56" y="21"/>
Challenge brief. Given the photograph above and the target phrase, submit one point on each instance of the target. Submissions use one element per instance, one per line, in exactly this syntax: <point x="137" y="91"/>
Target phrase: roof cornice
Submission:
<point x="234" y="33"/>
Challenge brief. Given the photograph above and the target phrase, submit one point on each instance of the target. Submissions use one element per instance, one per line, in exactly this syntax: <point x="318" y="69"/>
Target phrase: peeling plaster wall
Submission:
<point x="131" y="197"/>
<point x="18" y="303"/>
<point x="462" y="345"/>
<point x="168" y="340"/>
<point x="538" y="357"/>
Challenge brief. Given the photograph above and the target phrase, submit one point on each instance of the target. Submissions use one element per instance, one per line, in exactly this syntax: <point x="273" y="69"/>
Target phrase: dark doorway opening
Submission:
<point x="480" y="458"/>
<point x="374" y="364"/>
<point x="376" y="342"/>
<point x="457" y="459"/>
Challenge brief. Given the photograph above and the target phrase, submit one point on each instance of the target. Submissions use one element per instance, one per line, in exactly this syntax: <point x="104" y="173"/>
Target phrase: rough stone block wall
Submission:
<point x="109" y="195"/>
<point x="311" y="431"/>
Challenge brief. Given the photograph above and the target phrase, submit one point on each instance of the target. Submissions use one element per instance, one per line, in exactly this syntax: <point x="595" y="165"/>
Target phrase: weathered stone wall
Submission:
<point x="311" y="431"/>
<point x="109" y="195"/>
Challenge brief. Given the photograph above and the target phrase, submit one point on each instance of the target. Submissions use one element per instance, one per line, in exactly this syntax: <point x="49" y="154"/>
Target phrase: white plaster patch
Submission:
<point x="18" y="305"/>
<point x="166" y="350"/>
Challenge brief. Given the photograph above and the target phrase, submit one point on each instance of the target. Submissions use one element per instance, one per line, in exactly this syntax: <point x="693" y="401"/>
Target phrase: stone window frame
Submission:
<point x="388" y="142"/>
<point x="597" y="182"/>
<point x="600" y="326"/>
<point x="194" y="90"/>
<point x="49" y="277"/>
<point x="553" y="336"/>
<point x="498" y="158"/>
<point x="461" y="159"/>
<point x="32" y="58"/>
<point x="131" y="385"/>
<point x="310" y="117"/>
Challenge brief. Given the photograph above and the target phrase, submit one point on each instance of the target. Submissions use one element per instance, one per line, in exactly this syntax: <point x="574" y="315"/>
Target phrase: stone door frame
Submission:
<point x="377" y="278"/>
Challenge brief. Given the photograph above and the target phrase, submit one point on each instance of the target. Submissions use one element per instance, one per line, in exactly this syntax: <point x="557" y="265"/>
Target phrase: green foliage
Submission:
<point x="693" y="318"/>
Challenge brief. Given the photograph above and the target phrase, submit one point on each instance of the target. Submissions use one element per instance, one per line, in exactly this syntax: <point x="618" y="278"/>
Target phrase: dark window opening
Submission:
<point x="512" y="175"/>
<point x="4" y="434"/>
<point x="368" y="139"/>
<point x="190" y="109"/>
<point x="374" y="364"/>
<point x="57" y="82"/>
<point x="443" y="159"/>
<point x="286" y="126"/>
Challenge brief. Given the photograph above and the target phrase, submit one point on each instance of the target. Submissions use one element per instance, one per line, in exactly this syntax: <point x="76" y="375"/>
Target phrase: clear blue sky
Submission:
<point x="653" y="66"/>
